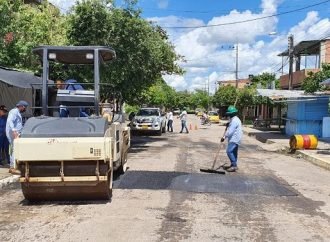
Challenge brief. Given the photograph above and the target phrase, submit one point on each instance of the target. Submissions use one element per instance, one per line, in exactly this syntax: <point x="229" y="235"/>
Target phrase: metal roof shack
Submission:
<point x="320" y="49"/>
<point x="289" y="95"/>
<point x="306" y="112"/>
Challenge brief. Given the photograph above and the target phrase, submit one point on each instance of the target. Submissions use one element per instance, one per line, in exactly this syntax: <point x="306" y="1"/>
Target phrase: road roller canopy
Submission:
<point x="76" y="54"/>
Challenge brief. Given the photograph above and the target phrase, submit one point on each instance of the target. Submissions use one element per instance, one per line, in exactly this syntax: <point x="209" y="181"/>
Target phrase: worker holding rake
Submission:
<point x="234" y="135"/>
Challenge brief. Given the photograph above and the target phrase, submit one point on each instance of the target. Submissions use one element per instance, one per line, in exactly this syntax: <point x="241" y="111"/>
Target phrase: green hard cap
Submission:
<point x="231" y="110"/>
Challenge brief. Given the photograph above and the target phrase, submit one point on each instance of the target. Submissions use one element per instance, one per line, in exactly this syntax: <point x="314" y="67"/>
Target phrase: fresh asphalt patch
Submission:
<point x="204" y="183"/>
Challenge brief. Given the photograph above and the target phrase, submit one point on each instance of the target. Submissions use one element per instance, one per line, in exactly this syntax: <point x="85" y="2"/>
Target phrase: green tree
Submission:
<point x="143" y="50"/>
<point x="225" y="96"/>
<point x="182" y="99"/>
<point x="246" y="98"/>
<point x="265" y="80"/>
<point x="312" y="82"/>
<point x="26" y="27"/>
<point x="199" y="99"/>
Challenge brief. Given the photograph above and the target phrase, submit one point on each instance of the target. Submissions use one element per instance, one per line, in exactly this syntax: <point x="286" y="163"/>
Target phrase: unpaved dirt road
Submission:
<point x="164" y="197"/>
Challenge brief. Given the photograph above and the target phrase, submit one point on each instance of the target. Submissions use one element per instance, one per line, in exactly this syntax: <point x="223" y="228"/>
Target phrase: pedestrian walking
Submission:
<point x="170" y="121"/>
<point x="183" y="117"/>
<point x="14" y="128"/>
<point x="234" y="136"/>
<point x="4" y="144"/>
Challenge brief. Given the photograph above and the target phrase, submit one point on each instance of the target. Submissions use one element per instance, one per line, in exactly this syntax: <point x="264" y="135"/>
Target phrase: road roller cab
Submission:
<point x="73" y="156"/>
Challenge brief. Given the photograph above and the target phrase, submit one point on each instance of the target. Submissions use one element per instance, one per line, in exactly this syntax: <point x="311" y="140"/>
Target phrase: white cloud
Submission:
<point x="202" y="46"/>
<point x="176" y="81"/>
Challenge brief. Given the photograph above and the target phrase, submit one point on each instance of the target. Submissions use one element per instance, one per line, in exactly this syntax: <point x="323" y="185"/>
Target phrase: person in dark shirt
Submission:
<point x="4" y="144"/>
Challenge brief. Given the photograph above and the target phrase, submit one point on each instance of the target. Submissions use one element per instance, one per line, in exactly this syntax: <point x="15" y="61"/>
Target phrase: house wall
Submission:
<point x="297" y="79"/>
<point x="325" y="52"/>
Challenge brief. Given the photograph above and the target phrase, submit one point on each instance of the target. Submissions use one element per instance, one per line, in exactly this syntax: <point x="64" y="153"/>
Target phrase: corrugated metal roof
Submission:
<point x="288" y="94"/>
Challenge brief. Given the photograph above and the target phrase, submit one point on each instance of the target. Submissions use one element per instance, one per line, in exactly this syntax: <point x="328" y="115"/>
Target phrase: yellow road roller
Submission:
<point x="71" y="156"/>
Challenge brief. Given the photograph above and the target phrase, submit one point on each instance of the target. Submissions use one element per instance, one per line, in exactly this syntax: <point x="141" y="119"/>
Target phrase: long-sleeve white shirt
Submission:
<point x="14" y="123"/>
<point x="234" y="132"/>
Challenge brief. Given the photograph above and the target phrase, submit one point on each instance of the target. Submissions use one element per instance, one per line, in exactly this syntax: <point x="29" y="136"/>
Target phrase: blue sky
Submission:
<point x="207" y="50"/>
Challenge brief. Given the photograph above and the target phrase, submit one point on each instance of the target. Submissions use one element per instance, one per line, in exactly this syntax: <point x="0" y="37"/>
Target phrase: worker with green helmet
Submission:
<point x="234" y="135"/>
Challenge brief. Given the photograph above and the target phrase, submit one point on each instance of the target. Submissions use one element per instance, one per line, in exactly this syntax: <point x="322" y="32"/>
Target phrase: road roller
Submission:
<point x="71" y="157"/>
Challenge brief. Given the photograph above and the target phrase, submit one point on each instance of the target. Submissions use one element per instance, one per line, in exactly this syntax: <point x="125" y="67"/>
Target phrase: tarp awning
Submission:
<point x="19" y="78"/>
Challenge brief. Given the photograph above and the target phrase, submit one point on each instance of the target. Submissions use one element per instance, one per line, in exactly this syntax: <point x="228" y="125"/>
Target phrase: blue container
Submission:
<point x="305" y="116"/>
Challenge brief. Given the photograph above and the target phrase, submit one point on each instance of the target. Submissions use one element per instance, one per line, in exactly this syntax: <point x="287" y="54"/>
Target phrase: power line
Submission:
<point x="308" y="47"/>
<point x="223" y="11"/>
<point x="245" y="21"/>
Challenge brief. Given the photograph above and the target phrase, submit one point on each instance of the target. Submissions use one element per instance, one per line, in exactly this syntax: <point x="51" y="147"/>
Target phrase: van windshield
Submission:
<point x="148" y="112"/>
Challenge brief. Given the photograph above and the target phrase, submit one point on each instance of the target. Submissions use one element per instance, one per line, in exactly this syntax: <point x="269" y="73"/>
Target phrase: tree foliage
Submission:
<point x="246" y="98"/>
<point x="264" y="80"/>
<point x="225" y="96"/>
<point x="159" y="94"/>
<point x="312" y="82"/>
<point x="199" y="99"/>
<point x="27" y="27"/>
<point x="143" y="50"/>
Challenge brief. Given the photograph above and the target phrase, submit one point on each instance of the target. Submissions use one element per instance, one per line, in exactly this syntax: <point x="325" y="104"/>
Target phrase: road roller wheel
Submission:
<point x="78" y="190"/>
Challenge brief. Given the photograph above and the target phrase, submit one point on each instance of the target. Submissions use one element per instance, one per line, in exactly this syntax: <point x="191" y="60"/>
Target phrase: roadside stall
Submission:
<point x="305" y="112"/>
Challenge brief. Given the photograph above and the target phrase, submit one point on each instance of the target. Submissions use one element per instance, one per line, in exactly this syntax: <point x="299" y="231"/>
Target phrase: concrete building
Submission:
<point x="241" y="83"/>
<point x="316" y="48"/>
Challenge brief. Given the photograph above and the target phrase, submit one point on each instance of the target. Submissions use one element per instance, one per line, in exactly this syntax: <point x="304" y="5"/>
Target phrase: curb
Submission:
<point x="8" y="180"/>
<point x="312" y="159"/>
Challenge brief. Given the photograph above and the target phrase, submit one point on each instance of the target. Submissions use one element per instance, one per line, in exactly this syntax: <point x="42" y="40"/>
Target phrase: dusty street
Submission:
<point x="164" y="197"/>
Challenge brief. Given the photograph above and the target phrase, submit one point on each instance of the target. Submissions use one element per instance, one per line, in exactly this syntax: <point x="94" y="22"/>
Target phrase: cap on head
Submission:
<point x="22" y="103"/>
<point x="3" y="108"/>
<point x="231" y="110"/>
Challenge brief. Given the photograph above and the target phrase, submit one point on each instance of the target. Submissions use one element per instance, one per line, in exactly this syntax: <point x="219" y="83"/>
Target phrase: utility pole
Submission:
<point x="236" y="71"/>
<point x="291" y="54"/>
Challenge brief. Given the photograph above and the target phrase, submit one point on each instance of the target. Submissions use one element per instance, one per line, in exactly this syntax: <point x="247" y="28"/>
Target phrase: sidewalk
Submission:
<point x="277" y="142"/>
